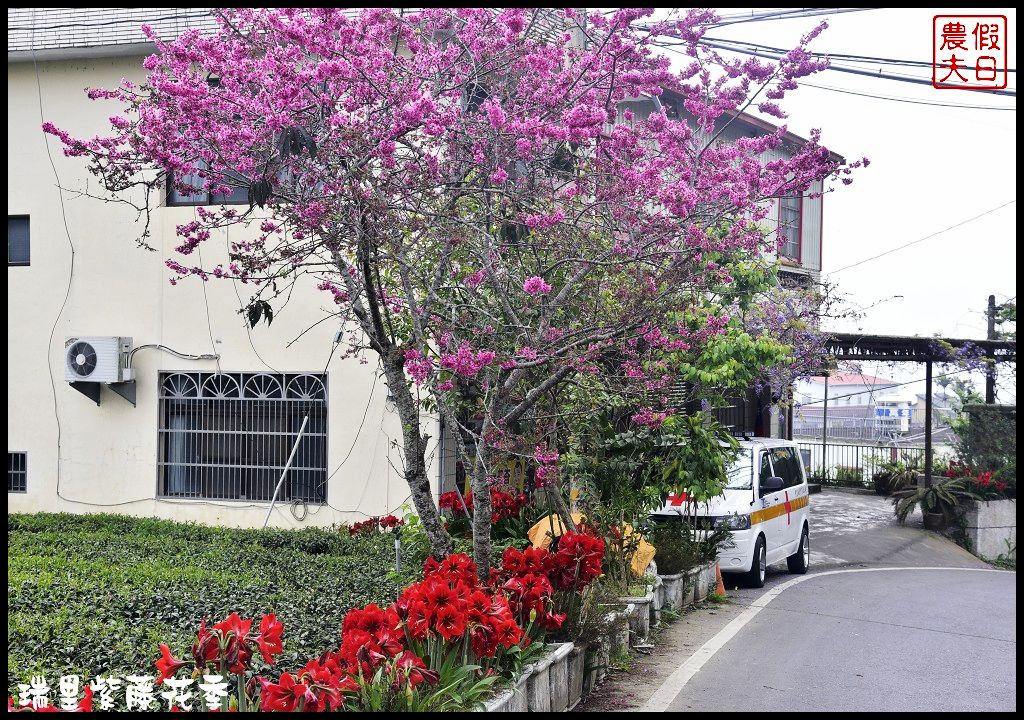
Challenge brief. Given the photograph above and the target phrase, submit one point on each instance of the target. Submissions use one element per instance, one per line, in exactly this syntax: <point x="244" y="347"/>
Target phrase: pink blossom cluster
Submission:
<point x="536" y="286"/>
<point x="418" y="366"/>
<point x="465" y="362"/>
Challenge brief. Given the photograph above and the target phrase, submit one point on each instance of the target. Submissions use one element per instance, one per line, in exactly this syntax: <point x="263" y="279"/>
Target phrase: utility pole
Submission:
<point x="990" y="370"/>
<point x="928" y="424"/>
<point x="824" y="428"/>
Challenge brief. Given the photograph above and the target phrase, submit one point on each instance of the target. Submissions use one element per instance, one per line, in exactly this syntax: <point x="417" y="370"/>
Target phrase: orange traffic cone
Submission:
<point x="719" y="585"/>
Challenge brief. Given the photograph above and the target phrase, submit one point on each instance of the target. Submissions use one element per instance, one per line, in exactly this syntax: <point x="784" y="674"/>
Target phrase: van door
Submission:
<point x="787" y="466"/>
<point x="770" y="507"/>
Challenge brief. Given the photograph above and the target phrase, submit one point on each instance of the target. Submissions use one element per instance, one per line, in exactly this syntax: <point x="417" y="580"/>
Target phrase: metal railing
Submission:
<point x="853" y="463"/>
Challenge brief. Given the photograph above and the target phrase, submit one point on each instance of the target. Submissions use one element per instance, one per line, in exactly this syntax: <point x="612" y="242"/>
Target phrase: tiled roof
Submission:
<point x="44" y="29"/>
<point x="79" y="29"/>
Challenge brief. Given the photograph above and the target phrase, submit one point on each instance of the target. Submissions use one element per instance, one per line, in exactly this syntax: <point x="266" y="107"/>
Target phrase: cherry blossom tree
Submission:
<point x="473" y="193"/>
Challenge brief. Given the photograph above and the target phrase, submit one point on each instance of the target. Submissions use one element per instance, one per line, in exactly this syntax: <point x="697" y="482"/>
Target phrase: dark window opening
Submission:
<point x="19" y="248"/>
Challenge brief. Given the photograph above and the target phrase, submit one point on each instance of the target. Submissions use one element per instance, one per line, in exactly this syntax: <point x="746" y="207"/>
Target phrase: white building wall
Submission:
<point x="107" y="454"/>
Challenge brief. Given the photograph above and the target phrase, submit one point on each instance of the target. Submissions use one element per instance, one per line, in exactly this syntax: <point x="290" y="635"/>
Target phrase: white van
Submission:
<point x="764" y="505"/>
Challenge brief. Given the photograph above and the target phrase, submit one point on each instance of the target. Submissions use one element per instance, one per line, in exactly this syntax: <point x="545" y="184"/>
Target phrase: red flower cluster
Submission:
<point x="452" y="502"/>
<point x="532" y="576"/>
<point x="371" y="638"/>
<point x="449" y="606"/>
<point x="317" y="687"/>
<point x="370" y="525"/>
<point x="228" y="645"/>
<point x="984" y="480"/>
<point x="452" y="604"/>
<point x="503" y="505"/>
<point x="958" y="469"/>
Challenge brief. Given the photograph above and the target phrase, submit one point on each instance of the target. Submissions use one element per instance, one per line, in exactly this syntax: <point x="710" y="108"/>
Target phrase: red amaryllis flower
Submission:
<point x="449" y="622"/>
<point x="478" y="607"/>
<point x="1000" y="485"/>
<point x="391" y="641"/>
<point x="168" y="665"/>
<point x="269" y="639"/>
<point x="440" y="596"/>
<point x="550" y="621"/>
<point x="371" y="618"/>
<point x="508" y="633"/>
<point x="430" y="566"/>
<point x="412" y="669"/>
<point x="206" y="649"/>
<point x="419" y="620"/>
<point x="233" y="624"/>
<point x="85" y="704"/>
<point x="985" y="478"/>
<point x="238" y="655"/>
<point x="282" y="696"/>
<point x="390" y="521"/>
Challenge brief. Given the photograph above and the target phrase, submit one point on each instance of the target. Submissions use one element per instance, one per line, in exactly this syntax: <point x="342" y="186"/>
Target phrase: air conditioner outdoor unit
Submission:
<point x="97" y="359"/>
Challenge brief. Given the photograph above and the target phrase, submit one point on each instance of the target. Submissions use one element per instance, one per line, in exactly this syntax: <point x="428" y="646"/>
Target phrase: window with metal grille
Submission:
<point x="18" y="243"/>
<point x="227" y="436"/>
<point x="17" y="472"/>
<point x="790" y="217"/>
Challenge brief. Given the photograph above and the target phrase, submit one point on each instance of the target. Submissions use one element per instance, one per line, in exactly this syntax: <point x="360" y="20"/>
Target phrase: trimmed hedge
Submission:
<point x="95" y="594"/>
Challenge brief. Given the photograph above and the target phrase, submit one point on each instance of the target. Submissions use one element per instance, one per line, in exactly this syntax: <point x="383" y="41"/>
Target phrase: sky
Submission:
<point x="931" y="168"/>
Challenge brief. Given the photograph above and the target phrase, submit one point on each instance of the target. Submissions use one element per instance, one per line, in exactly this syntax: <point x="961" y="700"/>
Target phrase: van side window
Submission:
<point x="766" y="470"/>
<point x="786" y="466"/>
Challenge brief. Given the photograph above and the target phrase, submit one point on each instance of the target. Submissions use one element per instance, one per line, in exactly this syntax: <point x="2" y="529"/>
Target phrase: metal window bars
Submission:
<point x="17" y="472"/>
<point x="227" y="436"/>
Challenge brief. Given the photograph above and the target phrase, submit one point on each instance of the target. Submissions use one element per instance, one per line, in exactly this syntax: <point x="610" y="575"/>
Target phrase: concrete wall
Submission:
<point x="107" y="454"/>
<point x="992" y="528"/>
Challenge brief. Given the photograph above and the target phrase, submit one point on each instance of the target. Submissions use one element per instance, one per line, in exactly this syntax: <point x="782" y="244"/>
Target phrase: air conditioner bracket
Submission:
<point x="90" y="389"/>
<point x="125" y="389"/>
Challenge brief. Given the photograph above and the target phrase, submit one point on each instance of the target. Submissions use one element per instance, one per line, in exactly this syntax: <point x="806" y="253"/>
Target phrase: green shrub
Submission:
<point x="95" y="594"/>
<point x="849" y="476"/>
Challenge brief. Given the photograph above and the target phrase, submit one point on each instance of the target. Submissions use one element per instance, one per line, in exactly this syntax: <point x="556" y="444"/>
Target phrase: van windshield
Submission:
<point x="741" y="472"/>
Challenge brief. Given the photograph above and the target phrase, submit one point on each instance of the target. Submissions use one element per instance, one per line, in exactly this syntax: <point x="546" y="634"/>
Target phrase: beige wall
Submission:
<point x="108" y="453"/>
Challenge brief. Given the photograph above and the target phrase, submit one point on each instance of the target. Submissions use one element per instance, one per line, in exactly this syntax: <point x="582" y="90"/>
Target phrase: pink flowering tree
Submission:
<point x="473" y="192"/>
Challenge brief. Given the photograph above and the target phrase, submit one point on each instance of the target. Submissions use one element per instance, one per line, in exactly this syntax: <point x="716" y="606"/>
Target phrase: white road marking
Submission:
<point x="675" y="682"/>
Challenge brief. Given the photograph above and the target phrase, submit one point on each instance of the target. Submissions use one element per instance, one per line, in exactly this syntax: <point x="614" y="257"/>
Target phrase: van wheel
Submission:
<point x="754" y="577"/>
<point x="800" y="560"/>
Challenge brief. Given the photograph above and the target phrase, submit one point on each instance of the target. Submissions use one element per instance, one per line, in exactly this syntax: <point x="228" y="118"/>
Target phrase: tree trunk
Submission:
<point x="481" y="513"/>
<point x="415" y="446"/>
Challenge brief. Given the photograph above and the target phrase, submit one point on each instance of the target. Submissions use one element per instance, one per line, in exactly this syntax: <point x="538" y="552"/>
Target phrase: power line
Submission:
<point x="855" y="71"/>
<point x="843" y="56"/>
<point x="920" y="240"/>
<point x="790" y="14"/>
<point x="136" y="21"/>
<point x="906" y="100"/>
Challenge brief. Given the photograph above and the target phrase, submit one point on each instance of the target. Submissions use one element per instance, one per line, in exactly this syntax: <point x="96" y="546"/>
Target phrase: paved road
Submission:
<point x="851" y="637"/>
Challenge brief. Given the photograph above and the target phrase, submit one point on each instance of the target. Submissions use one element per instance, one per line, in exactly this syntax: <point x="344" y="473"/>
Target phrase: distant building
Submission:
<point x="844" y="390"/>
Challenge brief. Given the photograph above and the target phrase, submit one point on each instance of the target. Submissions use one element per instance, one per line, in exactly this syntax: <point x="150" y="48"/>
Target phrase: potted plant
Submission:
<point x="940" y="504"/>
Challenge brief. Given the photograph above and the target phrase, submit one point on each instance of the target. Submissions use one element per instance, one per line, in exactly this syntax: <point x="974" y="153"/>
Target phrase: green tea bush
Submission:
<point x="95" y="594"/>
